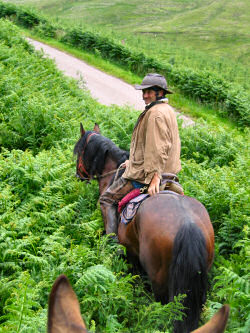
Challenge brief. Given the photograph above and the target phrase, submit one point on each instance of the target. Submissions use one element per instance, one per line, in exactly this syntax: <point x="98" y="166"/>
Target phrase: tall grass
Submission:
<point x="51" y="224"/>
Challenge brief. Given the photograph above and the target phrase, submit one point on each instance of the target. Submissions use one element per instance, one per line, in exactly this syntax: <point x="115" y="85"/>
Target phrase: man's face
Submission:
<point x="148" y="96"/>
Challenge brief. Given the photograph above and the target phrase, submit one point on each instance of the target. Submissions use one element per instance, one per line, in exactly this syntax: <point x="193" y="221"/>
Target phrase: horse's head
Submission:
<point x="84" y="169"/>
<point x="92" y="150"/>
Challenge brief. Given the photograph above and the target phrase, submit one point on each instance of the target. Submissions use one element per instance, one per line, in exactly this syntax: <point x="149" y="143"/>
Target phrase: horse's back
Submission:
<point x="152" y="232"/>
<point x="165" y="213"/>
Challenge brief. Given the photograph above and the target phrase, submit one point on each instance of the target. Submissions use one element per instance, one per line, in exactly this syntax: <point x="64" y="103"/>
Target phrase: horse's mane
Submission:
<point x="96" y="151"/>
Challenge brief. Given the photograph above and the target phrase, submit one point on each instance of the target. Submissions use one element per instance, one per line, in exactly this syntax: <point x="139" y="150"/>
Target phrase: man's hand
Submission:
<point x="154" y="186"/>
<point x="124" y="164"/>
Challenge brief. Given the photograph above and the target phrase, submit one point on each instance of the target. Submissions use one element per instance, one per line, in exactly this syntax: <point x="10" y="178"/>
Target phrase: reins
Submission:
<point x="109" y="173"/>
<point x="105" y="174"/>
<point x="81" y="166"/>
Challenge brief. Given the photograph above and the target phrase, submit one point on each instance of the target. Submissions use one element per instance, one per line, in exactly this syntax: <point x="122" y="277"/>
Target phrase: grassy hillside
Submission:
<point x="205" y="86"/>
<point x="50" y="223"/>
<point x="201" y="34"/>
<point x="217" y="26"/>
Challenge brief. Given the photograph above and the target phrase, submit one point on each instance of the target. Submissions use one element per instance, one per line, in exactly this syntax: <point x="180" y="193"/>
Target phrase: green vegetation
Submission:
<point x="50" y="223"/>
<point x="203" y="35"/>
<point x="218" y="28"/>
<point x="204" y="86"/>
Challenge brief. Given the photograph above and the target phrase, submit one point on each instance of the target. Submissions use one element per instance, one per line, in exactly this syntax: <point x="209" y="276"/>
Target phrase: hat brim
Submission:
<point x="146" y="86"/>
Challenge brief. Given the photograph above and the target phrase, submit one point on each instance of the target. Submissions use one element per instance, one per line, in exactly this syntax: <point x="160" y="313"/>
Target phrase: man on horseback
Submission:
<point x="171" y="236"/>
<point x="154" y="150"/>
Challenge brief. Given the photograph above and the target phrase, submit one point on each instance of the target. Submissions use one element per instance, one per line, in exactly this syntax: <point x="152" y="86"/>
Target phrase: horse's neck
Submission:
<point x="110" y="165"/>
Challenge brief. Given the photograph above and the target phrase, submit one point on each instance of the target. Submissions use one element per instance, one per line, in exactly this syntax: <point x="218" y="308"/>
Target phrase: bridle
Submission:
<point x="82" y="172"/>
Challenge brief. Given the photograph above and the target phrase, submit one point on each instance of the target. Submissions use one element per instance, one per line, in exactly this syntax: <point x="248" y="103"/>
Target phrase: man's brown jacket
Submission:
<point x="155" y="145"/>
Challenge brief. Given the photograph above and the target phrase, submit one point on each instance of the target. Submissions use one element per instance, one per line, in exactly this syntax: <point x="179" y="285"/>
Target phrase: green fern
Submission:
<point x="51" y="224"/>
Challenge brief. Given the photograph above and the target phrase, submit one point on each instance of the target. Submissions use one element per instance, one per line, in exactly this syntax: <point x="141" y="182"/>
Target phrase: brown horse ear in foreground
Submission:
<point x="217" y="323"/>
<point x="64" y="312"/>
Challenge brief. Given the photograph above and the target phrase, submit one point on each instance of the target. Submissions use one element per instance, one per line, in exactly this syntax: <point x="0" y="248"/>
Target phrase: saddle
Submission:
<point x="170" y="182"/>
<point x="132" y="206"/>
<point x="129" y="204"/>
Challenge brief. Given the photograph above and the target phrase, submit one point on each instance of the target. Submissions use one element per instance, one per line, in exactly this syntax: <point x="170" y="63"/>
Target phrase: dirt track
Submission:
<point x="105" y="88"/>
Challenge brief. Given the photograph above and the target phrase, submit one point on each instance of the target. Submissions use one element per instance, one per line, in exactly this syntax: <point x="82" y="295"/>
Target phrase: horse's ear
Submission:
<point x="97" y="128"/>
<point x="64" y="310"/>
<point x="82" y="131"/>
<point x="217" y="323"/>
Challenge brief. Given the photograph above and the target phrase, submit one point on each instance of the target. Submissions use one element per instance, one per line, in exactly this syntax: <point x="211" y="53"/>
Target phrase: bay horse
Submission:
<point x="171" y="235"/>
<point x="64" y="314"/>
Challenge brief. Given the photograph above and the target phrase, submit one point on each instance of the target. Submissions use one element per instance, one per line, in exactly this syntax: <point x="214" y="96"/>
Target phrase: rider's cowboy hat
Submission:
<point x="152" y="80"/>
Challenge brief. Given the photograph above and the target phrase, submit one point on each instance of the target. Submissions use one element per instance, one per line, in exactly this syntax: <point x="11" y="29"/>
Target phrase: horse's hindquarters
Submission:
<point x="161" y="222"/>
<point x="159" y="219"/>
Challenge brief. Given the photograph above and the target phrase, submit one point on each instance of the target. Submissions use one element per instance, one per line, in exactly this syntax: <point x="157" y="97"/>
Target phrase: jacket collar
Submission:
<point x="149" y="106"/>
<point x="162" y="100"/>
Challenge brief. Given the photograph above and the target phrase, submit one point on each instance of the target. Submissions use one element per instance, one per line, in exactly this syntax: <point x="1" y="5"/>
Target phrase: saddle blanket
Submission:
<point x="131" y="208"/>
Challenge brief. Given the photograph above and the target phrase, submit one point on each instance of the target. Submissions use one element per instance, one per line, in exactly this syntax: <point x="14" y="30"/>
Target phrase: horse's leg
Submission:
<point x="155" y="247"/>
<point x="127" y="235"/>
<point x="160" y="291"/>
<point x="155" y="260"/>
<point x="136" y="268"/>
<point x="149" y="252"/>
<point x="109" y="200"/>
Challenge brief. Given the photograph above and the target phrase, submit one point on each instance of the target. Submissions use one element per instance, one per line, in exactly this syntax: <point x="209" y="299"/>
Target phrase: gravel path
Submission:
<point x="105" y="88"/>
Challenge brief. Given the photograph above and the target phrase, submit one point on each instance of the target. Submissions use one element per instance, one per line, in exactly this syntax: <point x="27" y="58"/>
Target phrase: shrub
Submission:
<point x="210" y="144"/>
<point x="27" y="17"/>
<point x="231" y="285"/>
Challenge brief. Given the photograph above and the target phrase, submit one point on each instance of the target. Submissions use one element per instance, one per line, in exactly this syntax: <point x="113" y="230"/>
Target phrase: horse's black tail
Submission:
<point x="188" y="274"/>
